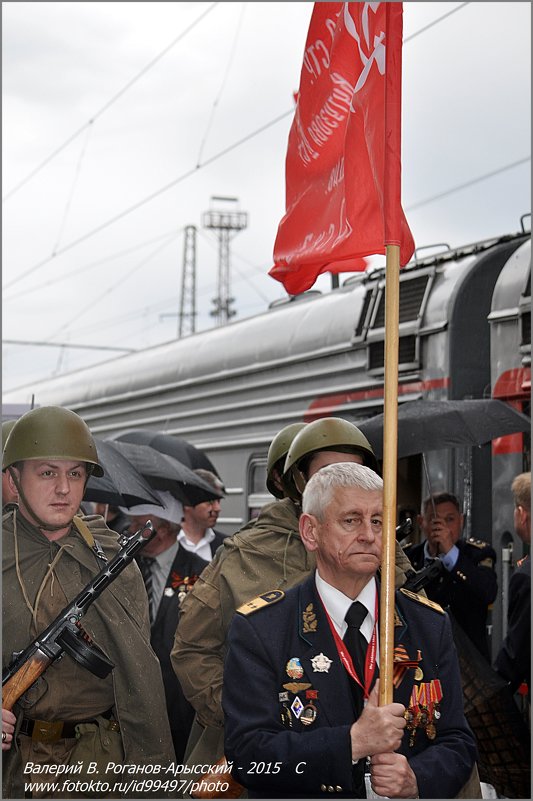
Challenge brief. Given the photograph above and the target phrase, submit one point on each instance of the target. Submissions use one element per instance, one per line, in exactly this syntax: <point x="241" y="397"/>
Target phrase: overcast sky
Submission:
<point x="171" y="86"/>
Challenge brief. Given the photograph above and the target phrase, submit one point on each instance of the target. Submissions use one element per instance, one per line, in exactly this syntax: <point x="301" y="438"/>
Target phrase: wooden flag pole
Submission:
<point x="390" y="459"/>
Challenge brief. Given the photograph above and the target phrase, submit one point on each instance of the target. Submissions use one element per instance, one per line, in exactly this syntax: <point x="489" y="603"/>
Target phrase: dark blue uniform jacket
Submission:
<point x="276" y="755"/>
<point x="467" y="590"/>
<point x="514" y="659"/>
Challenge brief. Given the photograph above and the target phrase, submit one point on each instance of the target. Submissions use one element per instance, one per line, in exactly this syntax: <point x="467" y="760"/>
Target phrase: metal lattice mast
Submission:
<point x="226" y="222"/>
<point x="187" y="312"/>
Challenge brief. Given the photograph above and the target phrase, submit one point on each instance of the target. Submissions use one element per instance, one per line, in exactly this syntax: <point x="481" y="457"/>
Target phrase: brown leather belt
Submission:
<point x="48" y="731"/>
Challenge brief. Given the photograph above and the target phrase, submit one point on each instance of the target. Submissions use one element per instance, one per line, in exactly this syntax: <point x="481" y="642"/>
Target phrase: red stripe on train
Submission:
<point x="329" y="404"/>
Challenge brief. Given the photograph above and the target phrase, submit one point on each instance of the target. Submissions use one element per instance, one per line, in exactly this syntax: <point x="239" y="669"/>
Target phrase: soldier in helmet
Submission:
<point x="267" y="554"/>
<point x="49" y="554"/>
<point x="8" y="496"/>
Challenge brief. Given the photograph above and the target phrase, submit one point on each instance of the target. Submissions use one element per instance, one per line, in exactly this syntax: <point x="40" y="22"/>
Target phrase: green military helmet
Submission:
<point x="51" y="432"/>
<point x="278" y="450"/>
<point x="7" y="425"/>
<point x="326" y="434"/>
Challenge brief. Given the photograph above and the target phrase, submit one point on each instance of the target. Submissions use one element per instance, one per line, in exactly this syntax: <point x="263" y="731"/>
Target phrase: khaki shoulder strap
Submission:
<point x="87" y="535"/>
<point x="84" y="530"/>
<point x="261" y="601"/>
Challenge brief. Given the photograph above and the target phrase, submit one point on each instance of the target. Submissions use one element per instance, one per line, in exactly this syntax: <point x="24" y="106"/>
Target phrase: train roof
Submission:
<point x="315" y="324"/>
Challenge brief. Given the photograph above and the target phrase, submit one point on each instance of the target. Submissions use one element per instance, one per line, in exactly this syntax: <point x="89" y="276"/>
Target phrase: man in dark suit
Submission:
<point x="169" y="572"/>
<point x="300" y="699"/>
<point x="514" y="658"/>
<point x="467" y="584"/>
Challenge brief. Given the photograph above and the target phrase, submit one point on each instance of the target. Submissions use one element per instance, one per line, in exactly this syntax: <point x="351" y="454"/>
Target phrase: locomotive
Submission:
<point x="465" y="332"/>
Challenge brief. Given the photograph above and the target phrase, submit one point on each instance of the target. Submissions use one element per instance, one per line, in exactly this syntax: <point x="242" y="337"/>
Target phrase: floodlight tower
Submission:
<point x="227" y="221"/>
<point x="187" y="312"/>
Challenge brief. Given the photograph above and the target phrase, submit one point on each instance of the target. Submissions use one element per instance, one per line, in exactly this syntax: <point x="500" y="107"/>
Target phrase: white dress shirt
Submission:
<point x="337" y="604"/>
<point x="202" y="547"/>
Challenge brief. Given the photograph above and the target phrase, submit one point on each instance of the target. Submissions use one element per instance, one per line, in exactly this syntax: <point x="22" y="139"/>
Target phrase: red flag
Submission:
<point x="343" y="166"/>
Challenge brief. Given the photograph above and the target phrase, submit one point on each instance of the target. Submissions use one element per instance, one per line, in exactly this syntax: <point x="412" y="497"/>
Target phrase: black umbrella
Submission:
<point x="163" y="472"/>
<point x="425" y="425"/>
<point x="180" y="449"/>
<point x="121" y="484"/>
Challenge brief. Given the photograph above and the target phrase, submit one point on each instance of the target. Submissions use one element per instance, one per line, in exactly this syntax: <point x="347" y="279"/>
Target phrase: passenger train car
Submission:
<point x="464" y="333"/>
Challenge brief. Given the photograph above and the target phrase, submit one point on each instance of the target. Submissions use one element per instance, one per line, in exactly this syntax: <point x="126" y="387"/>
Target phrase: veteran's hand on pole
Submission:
<point x="392" y="776"/>
<point x="379" y="729"/>
<point x="8" y="727"/>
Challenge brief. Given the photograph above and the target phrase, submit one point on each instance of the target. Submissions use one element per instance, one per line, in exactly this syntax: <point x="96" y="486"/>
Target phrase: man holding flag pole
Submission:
<point x="343" y="198"/>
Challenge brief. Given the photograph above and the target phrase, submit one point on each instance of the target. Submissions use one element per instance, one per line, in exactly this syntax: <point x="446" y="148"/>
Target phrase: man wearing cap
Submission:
<point x="198" y="533"/>
<point x="266" y="554"/>
<point x="69" y="715"/>
<point x="169" y="572"/>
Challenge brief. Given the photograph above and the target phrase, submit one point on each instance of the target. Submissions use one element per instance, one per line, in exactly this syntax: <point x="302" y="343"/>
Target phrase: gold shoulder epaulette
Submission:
<point x="265" y="599"/>
<point x="477" y="543"/>
<point x="422" y="600"/>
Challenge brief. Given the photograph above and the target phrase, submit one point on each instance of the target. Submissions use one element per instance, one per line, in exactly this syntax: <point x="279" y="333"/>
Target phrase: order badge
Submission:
<point x="294" y="668"/>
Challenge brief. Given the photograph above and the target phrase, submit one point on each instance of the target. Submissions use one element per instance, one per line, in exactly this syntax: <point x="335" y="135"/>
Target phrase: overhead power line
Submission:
<point x="185" y="175"/>
<point x="223" y="84"/>
<point x="41" y="344"/>
<point x="467" y="184"/>
<point x="85" y="267"/>
<point x="435" y="22"/>
<point x="150" y="197"/>
<point x="109" y="103"/>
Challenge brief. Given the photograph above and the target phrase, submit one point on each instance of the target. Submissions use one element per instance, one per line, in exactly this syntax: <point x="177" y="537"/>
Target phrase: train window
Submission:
<point x="407" y="354"/>
<point x="412" y="294"/>
<point x="527" y="291"/>
<point x="363" y="322"/>
<point x="524" y="311"/>
<point x="525" y="322"/>
<point x="258" y="495"/>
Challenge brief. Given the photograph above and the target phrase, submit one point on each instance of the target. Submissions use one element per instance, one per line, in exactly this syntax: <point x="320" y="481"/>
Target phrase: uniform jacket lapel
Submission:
<point x="185" y="565"/>
<point x="315" y="636"/>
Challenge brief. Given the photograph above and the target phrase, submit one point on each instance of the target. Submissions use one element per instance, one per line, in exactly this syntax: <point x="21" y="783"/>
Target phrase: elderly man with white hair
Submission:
<point x="300" y="692"/>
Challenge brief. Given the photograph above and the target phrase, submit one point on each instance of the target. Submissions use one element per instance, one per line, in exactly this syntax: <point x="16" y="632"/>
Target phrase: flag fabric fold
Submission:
<point x="343" y="165"/>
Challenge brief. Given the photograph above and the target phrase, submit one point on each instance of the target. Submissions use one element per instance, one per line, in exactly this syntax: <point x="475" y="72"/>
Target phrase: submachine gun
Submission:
<point x="65" y="634"/>
<point x="417" y="580"/>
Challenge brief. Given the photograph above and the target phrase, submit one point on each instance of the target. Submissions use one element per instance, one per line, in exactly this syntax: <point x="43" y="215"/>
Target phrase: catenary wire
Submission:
<point x="467" y="183"/>
<point x="98" y="263"/>
<point x="222" y="85"/>
<point x="150" y="197"/>
<point x="109" y="103"/>
<point x="190" y="172"/>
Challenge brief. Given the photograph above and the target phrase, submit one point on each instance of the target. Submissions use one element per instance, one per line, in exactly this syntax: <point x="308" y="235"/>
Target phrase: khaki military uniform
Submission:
<point x="46" y="576"/>
<point x="266" y="554"/>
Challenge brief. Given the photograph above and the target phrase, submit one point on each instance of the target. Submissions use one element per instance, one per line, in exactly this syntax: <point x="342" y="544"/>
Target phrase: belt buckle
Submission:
<point x="46" y="731"/>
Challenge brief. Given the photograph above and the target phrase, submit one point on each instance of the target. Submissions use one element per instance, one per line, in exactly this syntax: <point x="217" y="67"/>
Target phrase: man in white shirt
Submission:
<point x="198" y="533"/>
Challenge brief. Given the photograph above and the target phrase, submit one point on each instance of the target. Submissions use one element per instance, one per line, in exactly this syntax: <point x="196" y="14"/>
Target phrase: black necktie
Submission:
<point x="145" y="566"/>
<point x="355" y="641"/>
<point x="357" y="645"/>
